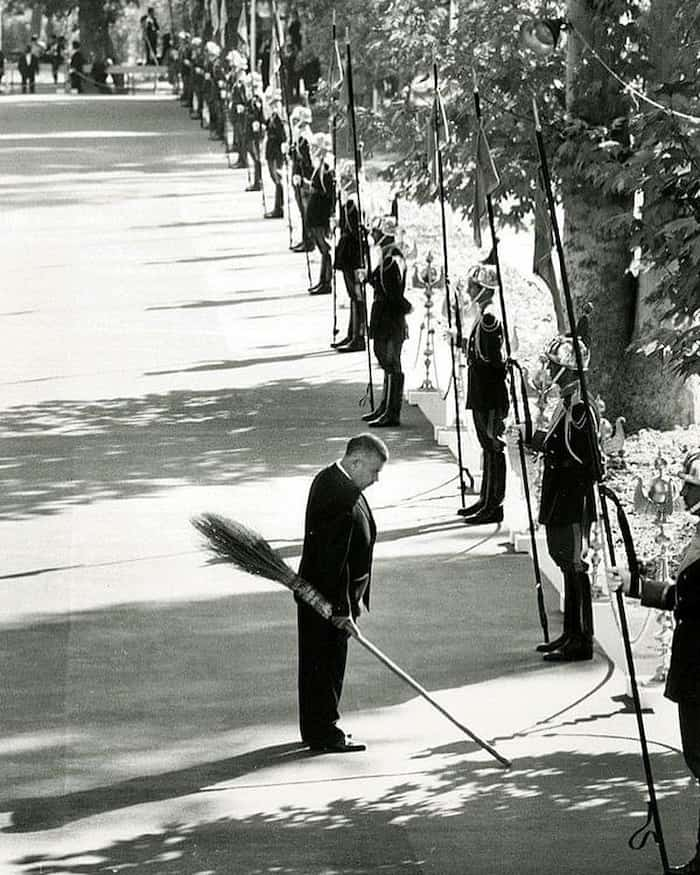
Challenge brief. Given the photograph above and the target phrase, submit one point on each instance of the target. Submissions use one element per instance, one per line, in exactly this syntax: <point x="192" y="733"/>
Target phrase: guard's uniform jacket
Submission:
<point x="321" y="198"/>
<point x="238" y="100"/>
<point x="255" y="121"/>
<point x="683" y="598"/>
<point x="300" y="154"/>
<point x="348" y="254"/>
<point x="389" y="308"/>
<point x="567" y="482"/>
<point x="486" y="367"/>
<point x="276" y="135"/>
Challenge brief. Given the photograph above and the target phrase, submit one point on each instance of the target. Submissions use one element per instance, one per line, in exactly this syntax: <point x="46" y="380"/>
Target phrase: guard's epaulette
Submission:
<point x="490" y="323"/>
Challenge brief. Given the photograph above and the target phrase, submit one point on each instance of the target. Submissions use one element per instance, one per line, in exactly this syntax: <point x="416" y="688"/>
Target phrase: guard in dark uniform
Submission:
<point x="302" y="169"/>
<point x="275" y="147"/>
<point x="238" y="101"/>
<point x="255" y="129"/>
<point x="683" y="598"/>
<point x="387" y="325"/>
<point x="567" y="503"/>
<point x="197" y="78"/>
<point x="214" y="86"/>
<point x="487" y="397"/>
<point x="319" y="210"/>
<point x="185" y="68"/>
<point x="348" y="260"/>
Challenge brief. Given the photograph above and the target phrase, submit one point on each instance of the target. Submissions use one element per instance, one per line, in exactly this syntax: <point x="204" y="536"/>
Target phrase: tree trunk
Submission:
<point x="631" y="384"/>
<point x="94" y="32"/>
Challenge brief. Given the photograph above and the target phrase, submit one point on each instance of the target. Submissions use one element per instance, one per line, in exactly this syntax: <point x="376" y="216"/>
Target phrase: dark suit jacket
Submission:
<point x="339" y="536"/>
<point x="28" y="69"/>
<point x="683" y="598"/>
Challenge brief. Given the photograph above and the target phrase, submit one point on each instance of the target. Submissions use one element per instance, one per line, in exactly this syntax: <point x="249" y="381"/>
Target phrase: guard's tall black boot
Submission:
<point x="391" y="418"/>
<point x="351" y="326"/>
<point x="277" y="212"/>
<point x="570" y="610"/>
<point x="579" y="645"/>
<point x="357" y="330"/>
<point x="257" y="177"/>
<point x="381" y="407"/>
<point x="483" y="491"/>
<point x="492" y="510"/>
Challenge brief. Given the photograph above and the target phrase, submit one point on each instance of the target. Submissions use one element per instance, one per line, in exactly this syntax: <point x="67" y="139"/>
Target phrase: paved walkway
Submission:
<point x="162" y="357"/>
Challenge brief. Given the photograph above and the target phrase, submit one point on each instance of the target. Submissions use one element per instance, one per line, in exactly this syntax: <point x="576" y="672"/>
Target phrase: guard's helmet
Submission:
<point x="213" y="49"/>
<point x="323" y="142"/>
<point x="386" y="225"/>
<point x="301" y="115"/>
<point x="691" y="468"/>
<point x="182" y="34"/>
<point x="346" y="172"/>
<point x="484" y="275"/>
<point x="561" y="352"/>
<point x="196" y="41"/>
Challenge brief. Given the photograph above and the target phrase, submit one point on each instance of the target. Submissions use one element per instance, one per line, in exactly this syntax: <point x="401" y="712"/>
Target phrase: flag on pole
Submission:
<point x="223" y="21"/>
<point x="275" y="59"/>
<point x="437" y="133"/>
<point x="486" y="180"/>
<point x="336" y="74"/>
<point x="542" y="264"/>
<point x="242" y="32"/>
<point x="214" y="13"/>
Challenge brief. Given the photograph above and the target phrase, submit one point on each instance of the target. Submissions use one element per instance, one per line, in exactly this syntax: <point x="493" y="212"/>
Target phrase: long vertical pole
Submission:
<point x="361" y="231"/>
<point x="334" y="140"/>
<point x="657" y="831"/>
<point x="253" y="36"/>
<point x="514" y="401"/>
<point x="448" y="294"/>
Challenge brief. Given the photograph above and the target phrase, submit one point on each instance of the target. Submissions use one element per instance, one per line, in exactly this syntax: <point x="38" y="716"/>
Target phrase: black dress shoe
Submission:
<point x="571" y="651"/>
<point x="343" y="342"/>
<point x="471" y="510"/>
<point x="344" y="746"/>
<point x="321" y="289"/>
<point x="484" y="517"/>
<point x="253" y="187"/>
<point x="549" y="646"/>
<point x="692" y="867"/>
<point x="274" y="214"/>
<point x="353" y="346"/>
<point x="302" y="247"/>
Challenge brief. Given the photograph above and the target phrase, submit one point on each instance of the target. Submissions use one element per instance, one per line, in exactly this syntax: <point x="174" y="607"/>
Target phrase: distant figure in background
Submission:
<point x="99" y="74"/>
<point x="150" y="36"/>
<point x="2" y="65"/>
<point x="310" y="68"/>
<point x="28" y="66"/>
<point x="77" y="62"/>
<point x="56" y="53"/>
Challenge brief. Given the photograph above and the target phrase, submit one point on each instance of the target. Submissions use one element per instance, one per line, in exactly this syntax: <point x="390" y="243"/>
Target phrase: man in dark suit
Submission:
<point x="339" y="536"/>
<point x="28" y="66"/>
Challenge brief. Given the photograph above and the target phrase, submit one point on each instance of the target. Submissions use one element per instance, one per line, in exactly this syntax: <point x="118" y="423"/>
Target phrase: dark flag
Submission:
<point x="542" y="264"/>
<point x="486" y="180"/>
<point x="437" y="133"/>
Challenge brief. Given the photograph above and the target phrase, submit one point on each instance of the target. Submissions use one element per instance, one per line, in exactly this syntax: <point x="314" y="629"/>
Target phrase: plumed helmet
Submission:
<point x="386" y="225"/>
<point x="196" y="41"/>
<point x="322" y="142"/>
<point x="690" y="471"/>
<point x="301" y="115"/>
<point x="213" y="49"/>
<point x="560" y="351"/>
<point x="182" y="34"/>
<point x="346" y="172"/>
<point x="484" y="275"/>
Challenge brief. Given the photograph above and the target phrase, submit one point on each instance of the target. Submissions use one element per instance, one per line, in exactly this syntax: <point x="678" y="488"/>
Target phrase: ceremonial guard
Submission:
<point x="387" y="326"/>
<point x="238" y="100"/>
<point x="185" y="65"/>
<point x="197" y="78"/>
<point x="214" y="78"/>
<point x="255" y="129"/>
<point x="567" y="504"/>
<point x="302" y="169"/>
<point x="487" y="396"/>
<point x="683" y="598"/>
<point x="319" y="210"/>
<point x="348" y="260"/>
<point x="275" y="149"/>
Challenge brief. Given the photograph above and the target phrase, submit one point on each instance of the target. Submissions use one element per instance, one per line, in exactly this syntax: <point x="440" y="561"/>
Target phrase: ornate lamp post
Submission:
<point x="428" y="279"/>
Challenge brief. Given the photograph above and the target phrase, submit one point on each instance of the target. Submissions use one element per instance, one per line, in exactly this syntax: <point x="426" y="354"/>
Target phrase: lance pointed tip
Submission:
<point x="536" y="114"/>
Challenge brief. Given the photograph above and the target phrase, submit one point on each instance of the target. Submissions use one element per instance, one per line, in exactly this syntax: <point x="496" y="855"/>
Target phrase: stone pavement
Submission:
<point x="161" y="357"/>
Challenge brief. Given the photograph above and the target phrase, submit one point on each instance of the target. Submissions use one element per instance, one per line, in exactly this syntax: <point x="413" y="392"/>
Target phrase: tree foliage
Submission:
<point x="606" y="141"/>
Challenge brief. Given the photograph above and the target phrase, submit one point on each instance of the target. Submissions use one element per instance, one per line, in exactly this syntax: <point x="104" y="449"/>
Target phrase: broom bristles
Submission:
<point x="246" y="549"/>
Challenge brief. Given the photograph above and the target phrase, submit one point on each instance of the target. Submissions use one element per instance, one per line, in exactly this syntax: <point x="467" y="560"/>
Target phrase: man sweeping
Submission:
<point x="339" y="536"/>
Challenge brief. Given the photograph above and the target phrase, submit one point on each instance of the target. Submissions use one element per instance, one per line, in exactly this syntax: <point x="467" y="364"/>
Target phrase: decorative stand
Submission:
<point x="428" y="279"/>
<point x="659" y="500"/>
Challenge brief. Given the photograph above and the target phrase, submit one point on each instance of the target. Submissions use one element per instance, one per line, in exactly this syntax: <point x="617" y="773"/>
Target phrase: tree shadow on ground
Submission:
<point x="61" y="453"/>
<point x="566" y="811"/>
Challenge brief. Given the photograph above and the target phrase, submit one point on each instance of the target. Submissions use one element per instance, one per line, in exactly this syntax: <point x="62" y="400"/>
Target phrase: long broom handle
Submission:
<point x="390" y="664"/>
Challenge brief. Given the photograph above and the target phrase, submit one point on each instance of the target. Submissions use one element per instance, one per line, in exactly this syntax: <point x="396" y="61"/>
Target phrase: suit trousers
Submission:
<point x="323" y="651"/>
<point x="689" y="720"/>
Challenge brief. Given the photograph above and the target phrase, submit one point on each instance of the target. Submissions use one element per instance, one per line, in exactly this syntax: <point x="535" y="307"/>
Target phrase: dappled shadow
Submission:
<point x="455" y="816"/>
<point x="59" y="453"/>
<point x="30" y="815"/>
<point x="250" y="362"/>
<point x="226" y="302"/>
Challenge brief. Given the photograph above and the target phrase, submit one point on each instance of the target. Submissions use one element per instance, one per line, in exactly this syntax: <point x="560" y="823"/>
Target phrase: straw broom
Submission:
<point x="249" y="551"/>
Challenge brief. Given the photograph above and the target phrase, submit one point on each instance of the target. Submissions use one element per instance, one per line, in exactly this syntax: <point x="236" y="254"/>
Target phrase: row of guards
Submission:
<point x="256" y="123"/>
